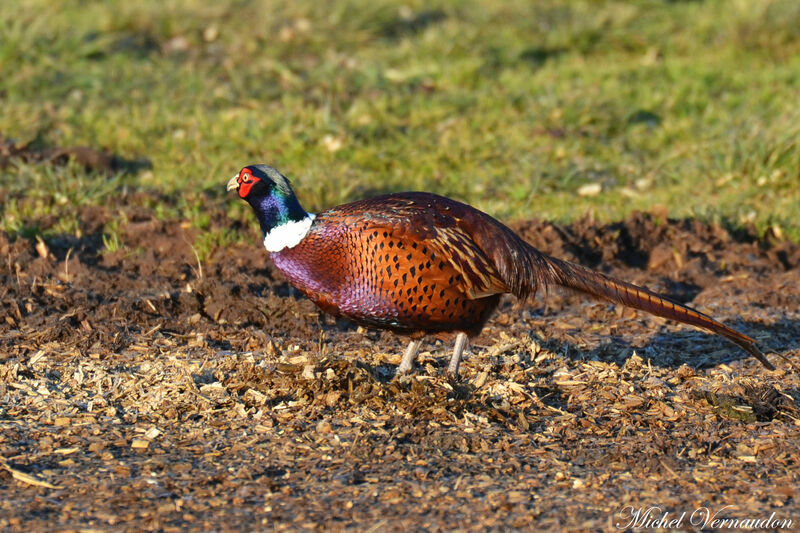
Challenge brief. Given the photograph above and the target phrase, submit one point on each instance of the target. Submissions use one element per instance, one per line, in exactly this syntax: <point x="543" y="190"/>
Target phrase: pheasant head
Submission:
<point x="283" y="221"/>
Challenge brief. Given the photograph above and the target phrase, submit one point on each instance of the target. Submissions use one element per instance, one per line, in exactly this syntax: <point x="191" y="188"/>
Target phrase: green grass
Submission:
<point x="509" y="106"/>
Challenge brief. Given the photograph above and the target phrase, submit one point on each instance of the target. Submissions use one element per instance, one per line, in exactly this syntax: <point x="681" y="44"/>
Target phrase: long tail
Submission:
<point x="588" y="281"/>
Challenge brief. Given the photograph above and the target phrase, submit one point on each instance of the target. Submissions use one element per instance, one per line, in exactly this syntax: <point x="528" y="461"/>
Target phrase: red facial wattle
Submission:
<point x="246" y="181"/>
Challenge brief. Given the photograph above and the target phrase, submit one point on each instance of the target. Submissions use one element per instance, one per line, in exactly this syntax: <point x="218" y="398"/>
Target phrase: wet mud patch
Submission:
<point x="146" y="388"/>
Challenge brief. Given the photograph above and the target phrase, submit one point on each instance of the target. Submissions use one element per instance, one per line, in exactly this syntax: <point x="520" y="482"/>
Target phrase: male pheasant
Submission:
<point x="418" y="264"/>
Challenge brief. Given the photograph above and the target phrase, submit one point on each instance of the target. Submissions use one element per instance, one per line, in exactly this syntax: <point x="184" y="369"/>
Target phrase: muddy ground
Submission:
<point x="142" y="389"/>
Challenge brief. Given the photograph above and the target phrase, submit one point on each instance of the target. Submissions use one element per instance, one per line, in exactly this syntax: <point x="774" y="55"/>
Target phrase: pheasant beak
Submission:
<point x="233" y="184"/>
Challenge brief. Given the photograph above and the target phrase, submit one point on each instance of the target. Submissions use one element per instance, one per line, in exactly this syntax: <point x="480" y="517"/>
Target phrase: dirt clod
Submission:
<point x="90" y="158"/>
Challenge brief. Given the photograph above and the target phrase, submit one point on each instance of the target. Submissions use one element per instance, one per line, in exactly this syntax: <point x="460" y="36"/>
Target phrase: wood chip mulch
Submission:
<point x="135" y="394"/>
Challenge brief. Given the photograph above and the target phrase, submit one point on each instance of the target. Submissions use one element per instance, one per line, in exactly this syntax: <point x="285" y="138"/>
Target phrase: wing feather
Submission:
<point x="431" y="221"/>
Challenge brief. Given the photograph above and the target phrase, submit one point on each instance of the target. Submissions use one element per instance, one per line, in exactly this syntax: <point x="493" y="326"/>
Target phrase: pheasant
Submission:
<point x="419" y="264"/>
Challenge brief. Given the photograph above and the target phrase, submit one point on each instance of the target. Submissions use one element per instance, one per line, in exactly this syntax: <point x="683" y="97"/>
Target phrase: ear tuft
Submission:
<point x="281" y="182"/>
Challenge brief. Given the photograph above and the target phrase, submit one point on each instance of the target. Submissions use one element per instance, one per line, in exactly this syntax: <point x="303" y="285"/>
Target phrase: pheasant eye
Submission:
<point x="246" y="178"/>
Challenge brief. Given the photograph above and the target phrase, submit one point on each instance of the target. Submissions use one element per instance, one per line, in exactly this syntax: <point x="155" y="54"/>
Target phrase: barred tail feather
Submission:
<point x="588" y="281"/>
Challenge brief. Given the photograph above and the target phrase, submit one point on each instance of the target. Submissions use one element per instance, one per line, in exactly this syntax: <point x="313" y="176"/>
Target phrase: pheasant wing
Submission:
<point x="431" y="225"/>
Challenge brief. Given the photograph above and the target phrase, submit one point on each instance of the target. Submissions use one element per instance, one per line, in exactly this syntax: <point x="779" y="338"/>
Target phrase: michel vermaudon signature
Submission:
<point x="630" y="517"/>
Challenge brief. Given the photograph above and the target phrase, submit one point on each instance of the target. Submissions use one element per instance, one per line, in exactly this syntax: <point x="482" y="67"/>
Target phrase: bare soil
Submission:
<point x="142" y="389"/>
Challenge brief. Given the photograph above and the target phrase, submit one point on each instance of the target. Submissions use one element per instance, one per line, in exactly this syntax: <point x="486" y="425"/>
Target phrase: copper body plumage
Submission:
<point x="408" y="262"/>
<point x="419" y="264"/>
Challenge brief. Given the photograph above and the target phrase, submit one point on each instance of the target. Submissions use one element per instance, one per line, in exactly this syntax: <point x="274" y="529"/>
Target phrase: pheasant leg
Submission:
<point x="408" y="358"/>
<point x="458" y="349"/>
